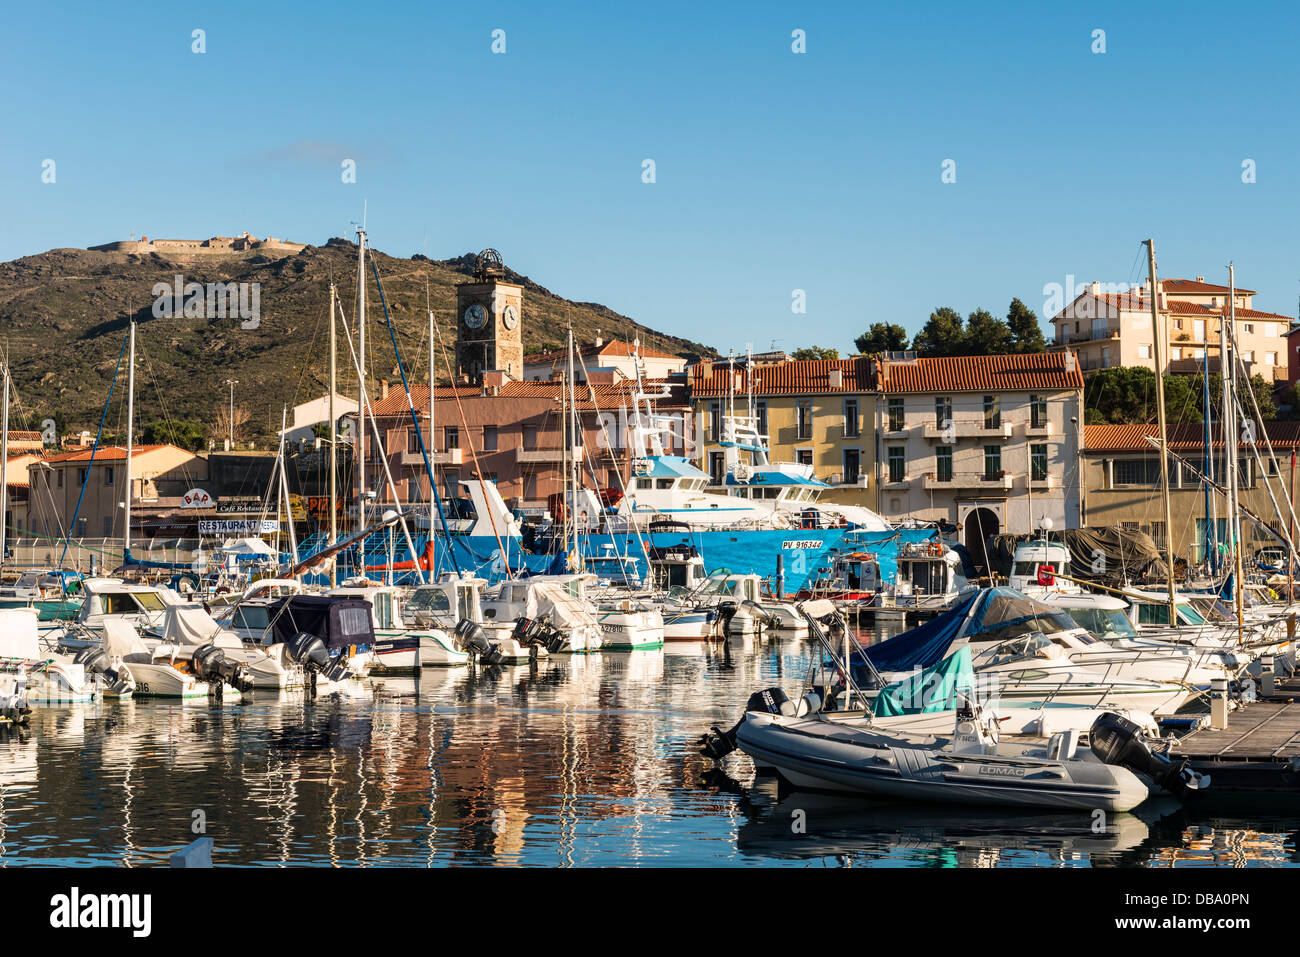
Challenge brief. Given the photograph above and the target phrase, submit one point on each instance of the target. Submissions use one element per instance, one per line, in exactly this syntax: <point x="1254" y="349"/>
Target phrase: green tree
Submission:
<point x="882" y="337"/>
<point x="183" y="434"/>
<point x="942" y="335"/>
<point x="987" y="335"/>
<point x="1026" y="333"/>
<point x="816" y="352"/>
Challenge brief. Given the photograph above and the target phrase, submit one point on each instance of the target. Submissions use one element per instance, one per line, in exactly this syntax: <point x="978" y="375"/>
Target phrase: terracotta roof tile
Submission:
<point x="107" y="453"/>
<point x="796" y="377"/>
<point x="1133" y="438"/>
<point x="613" y="348"/>
<point x="1046" y="371"/>
<point x="608" y="396"/>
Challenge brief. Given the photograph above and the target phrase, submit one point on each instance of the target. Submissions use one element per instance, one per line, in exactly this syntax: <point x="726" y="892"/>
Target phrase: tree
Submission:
<point x="882" y="337"/>
<point x="220" y="428"/>
<point x="942" y="335"/>
<point x="1026" y="333"/>
<point x="184" y="434"/>
<point x="1127" y="394"/>
<point x="987" y="335"/>
<point x="817" y="352"/>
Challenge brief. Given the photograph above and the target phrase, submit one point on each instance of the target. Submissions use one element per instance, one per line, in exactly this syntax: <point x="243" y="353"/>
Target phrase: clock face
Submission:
<point x="510" y="317"/>
<point x="475" y="316"/>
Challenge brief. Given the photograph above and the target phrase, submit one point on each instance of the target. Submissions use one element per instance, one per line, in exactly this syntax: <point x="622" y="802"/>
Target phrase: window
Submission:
<point x="992" y="462"/>
<point x="896" y="466"/>
<point x="760" y="413"/>
<point x="530" y="437"/>
<point x="803" y="456"/>
<point x="717" y="468"/>
<point x="489" y="438"/>
<point x="895" y="414"/>
<point x="1144" y="351"/>
<point x="1248" y="328"/>
<point x="943" y="412"/>
<point x="1137" y="472"/>
<point x="81" y="477"/>
<point x="943" y="463"/>
<point x="108" y="475"/>
<point x="852" y="463"/>
<point x="1038" y="463"/>
<point x="451" y="437"/>
<point x="1198" y="330"/>
<point x="851" y="429"/>
<point x="715" y="420"/>
<point x="1175" y="353"/>
<point x="106" y="527"/>
<point x="1037" y="412"/>
<point x="1247" y="355"/>
<point x="1158" y="533"/>
<point x="805" y="420"/>
<point x="992" y="412"/>
<point x="412" y="441"/>
<point x="1270" y="358"/>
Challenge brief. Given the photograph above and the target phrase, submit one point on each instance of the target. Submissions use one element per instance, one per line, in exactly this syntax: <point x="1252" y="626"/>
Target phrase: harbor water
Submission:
<point x="572" y="761"/>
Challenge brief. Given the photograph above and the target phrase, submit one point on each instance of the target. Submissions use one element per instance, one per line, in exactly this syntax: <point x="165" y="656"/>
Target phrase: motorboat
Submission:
<point x="398" y="646"/>
<point x="1037" y="567"/>
<point x="53" y="678"/>
<point x="560" y="599"/>
<point x="273" y="666"/>
<point x="814" y="742"/>
<point x="929" y="577"/>
<point x="163" y="670"/>
<point x="112" y="599"/>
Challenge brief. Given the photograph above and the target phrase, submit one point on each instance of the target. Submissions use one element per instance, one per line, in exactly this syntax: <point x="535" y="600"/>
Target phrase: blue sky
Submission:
<point x="775" y="171"/>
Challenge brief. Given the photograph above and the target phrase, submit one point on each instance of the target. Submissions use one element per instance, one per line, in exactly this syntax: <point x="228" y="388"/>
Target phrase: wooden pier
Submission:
<point x="1258" y="751"/>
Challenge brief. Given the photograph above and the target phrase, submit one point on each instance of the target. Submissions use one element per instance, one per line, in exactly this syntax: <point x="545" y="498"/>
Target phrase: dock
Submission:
<point x="1258" y="751"/>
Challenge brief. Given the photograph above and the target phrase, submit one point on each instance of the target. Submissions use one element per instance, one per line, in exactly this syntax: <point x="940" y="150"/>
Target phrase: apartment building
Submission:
<point x="987" y="443"/>
<point x="627" y="358"/>
<point x="818" y="413"/>
<point x="1120" y="469"/>
<point x="1108" y="326"/>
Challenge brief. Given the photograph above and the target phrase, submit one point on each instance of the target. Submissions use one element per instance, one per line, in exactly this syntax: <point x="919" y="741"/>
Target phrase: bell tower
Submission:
<point x="489" y="313"/>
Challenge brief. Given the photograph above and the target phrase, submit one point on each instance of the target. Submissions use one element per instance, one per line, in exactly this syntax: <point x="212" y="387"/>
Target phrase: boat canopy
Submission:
<point x="988" y="615"/>
<point x="338" y="622"/>
<point x="937" y="688"/>
<point x="18" y="634"/>
<point x="191" y="625"/>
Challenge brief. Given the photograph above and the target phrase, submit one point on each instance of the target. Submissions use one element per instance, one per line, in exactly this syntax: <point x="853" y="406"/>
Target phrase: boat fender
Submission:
<point x="810" y="703"/>
<point x="771" y="700"/>
<point x="1119" y="741"/>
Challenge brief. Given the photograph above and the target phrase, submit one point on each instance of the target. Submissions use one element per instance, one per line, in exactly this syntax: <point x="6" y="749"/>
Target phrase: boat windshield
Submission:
<point x="1011" y="615"/>
<point x="429" y="599"/>
<point x="1025" y="646"/>
<point x="1189" y="615"/>
<point x="1108" y="624"/>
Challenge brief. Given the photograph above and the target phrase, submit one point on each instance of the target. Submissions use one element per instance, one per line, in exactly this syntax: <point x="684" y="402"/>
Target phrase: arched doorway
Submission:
<point x="980" y="524"/>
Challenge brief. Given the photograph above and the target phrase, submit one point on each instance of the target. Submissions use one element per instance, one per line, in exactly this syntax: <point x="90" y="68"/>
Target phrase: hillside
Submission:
<point x="64" y="314"/>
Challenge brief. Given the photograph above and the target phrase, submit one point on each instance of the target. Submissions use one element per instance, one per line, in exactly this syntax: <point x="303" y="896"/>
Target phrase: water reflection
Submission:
<point x="570" y="761"/>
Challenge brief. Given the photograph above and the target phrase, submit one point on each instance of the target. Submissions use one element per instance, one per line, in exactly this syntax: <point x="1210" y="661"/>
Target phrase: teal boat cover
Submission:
<point x="930" y="689"/>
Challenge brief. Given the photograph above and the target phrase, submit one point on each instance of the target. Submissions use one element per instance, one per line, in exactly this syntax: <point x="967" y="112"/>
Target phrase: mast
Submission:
<point x="361" y="378"/>
<point x="1226" y="426"/>
<point x="574" y="462"/>
<point x="284" y="484"/>
<point x="1234" y="515"/>
<point x="334" y="451"/>
<point x="1164" y="428"/>
<point x="130" y="441"/>
<point x="4" y="470"/>
<point x="432" y="475"/>
<point x="1209" y="461"/>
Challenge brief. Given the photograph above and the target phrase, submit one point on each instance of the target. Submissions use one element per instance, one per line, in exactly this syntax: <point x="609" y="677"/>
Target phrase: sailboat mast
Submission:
<point x="334" y="451"/>
<point x="432" y="452"/>
<point x="1164" y="427"/>
<point x="4" y="470"/>
<point x="130" y="442"/>
<point x="1206" y="433"/>
<point x="574" y="463"/>
<point x="1234" y="516"/>
<point x="361" y="378"/>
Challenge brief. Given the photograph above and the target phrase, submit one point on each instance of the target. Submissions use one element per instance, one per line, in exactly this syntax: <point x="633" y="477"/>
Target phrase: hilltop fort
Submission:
<point x="214" y="246"/>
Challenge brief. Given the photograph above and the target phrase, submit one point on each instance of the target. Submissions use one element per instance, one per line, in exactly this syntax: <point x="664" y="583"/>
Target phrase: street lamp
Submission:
<point x="232" y="383"/>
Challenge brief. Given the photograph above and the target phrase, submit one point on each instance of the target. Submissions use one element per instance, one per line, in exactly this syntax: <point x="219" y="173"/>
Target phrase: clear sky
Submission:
<point x="774" y="171"/>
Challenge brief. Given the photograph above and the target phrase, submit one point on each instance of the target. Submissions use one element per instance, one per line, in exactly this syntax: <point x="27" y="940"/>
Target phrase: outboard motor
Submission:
<point x="717" y="744"/>
<point x="96" y="662"/>
<point x="336" y="670"/>
<point x="726" y="612"/>
<point x="470" y="637"/>
<point x="211" y="664"/>
<point x="761" y="614"/>
<point x="541" y="632"/>
<point x="1117" y="740"/>
<point x="309" y="651"/>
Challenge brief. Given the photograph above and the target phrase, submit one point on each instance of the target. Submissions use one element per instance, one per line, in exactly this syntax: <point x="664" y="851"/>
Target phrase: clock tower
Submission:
<point x="489" y="314"/>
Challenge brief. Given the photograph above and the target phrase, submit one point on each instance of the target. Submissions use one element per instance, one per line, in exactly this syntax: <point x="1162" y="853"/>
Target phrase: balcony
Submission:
<point x="449" y="457"/>
<point x="967" y="429"/>
<point x="967" y="480"/>
<point x="523" y="456"/>
<point x="903" y="483"/>
<point x="1042" y="431"/>
<point x="1044" y="484"/>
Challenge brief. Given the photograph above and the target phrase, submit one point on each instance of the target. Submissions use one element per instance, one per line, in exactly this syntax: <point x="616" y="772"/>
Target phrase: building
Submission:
<point x="18" y="486"/>
<point x="988" y="443"/>
<point x="510" y="433"/>
<point x="814" y="412"/>
<point x="159" y="473"/>
<point x="307" y="415"/>
<point x="599" y="354"/>
<point x="1108" y="327"/>
<point x="1120" y="470"/>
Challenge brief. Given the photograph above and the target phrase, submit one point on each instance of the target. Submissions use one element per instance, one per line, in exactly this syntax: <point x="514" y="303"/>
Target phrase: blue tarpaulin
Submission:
<point x="922" y="646"/>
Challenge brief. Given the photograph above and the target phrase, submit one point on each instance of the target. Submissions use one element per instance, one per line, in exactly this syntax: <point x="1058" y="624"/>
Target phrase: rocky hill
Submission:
<point x="64" y="315"/>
